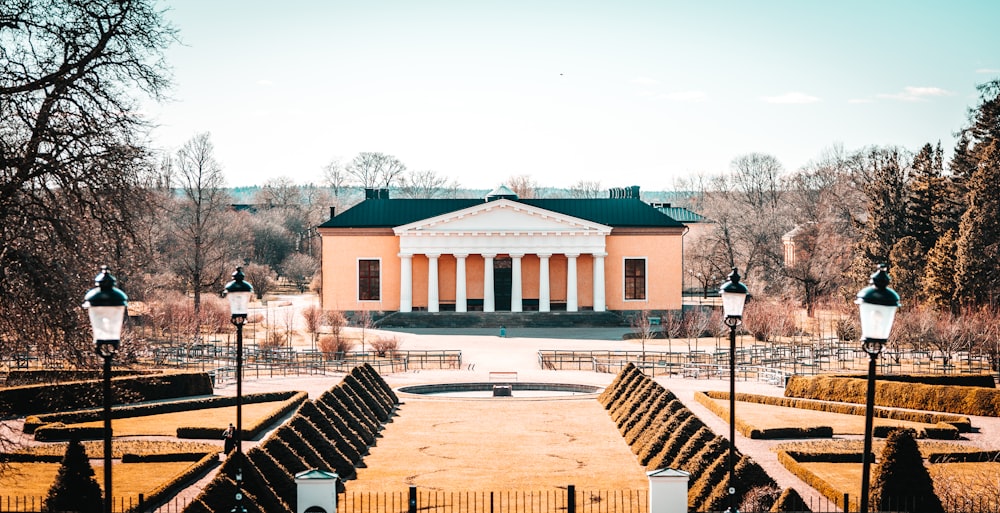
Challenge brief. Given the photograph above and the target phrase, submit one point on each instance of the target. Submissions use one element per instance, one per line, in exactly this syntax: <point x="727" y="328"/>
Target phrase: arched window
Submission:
<point x="315" y="509"/>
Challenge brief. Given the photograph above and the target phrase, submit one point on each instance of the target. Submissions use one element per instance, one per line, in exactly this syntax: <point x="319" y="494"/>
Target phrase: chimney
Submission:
<point x="333" y="212"/>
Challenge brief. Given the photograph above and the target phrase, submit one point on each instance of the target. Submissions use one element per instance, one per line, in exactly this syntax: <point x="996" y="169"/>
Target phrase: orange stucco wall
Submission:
<point x="664" y="270"/>
<point x="343" y="248"/>
<point x="340" y="270"/>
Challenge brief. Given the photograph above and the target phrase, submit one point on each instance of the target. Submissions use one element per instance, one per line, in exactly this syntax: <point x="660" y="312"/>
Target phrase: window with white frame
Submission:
<point x="635" y="279"/>
<point x="369" y="280"/>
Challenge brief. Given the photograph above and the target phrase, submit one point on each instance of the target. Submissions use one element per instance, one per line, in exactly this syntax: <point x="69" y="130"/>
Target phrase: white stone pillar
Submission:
<point x="461" y="303"/>
<point x="571" y="296"/>
<point x="515" y="283"/>
<point x="316" y="489"/>
<point x="544" y="296"/>
<point x="432" y="283"/>
<point x="488" y="299"/>
<point x="600" y="303"/>
<point x="668" y="491"/>
<point x="405" y="282"/>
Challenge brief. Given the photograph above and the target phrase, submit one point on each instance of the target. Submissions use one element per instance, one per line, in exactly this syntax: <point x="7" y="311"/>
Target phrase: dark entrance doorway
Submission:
<point x="502" y="276"/>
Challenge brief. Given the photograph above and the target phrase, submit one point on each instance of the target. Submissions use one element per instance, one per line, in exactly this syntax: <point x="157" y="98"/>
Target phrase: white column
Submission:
<point x="461" y="304"/>
<point x="544" y="297"/>
<point x="515" y="283"/>
<point x="488" y="304"/>
<point x="571" y="299"/>
<point x="432" y="283"/>
<point x="600" y="304"/>
<point x="405" y="282"/>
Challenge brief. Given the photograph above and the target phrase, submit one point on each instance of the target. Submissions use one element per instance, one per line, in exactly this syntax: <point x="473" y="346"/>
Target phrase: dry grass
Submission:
<point x="927" y="447"/>
<point x="95" y="450"/>
<point x="166" y="424"/>
<point x="130" y="479"/>
<point x="764" y="416"/>
<point x="459" y="445"/>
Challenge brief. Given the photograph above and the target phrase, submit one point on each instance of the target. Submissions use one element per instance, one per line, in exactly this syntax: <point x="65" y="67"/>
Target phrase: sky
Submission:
<point x="624" y="93"/>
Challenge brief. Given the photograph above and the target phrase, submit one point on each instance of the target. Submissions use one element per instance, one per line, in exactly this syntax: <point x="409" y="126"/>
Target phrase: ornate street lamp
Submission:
<point x="239" y="293"/>
<point x="106" y="305"/>
<point x="877" y="304"/>
<point x="734" y="297"/>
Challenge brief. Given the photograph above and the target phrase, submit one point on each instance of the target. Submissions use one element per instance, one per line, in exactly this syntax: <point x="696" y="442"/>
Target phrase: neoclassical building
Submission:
<point x="501" y="253"/>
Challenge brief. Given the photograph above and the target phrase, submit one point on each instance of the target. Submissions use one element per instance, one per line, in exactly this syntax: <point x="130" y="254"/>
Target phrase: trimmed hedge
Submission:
<point x="140" y="410"/>
<point x="163" y="492"/>
<point x="22" y="377"/>
<point x="249" y="432"/>
<point x="168" y="457"/>
<point x="702" y="487"/>
<point x="790" y="500"/>
<point x="664" y="403"/>
<point x="964" y="457"/>
<point x="754" y="433"/>
<point x="965" y="400"/>
<point x="834" y="495"/>
<point x="749" y="474"/>
<point x="350" y="436"/>
<point x="962" y="380"/>
<point x="78" y="395"/>
<point x="331" y="400"/>
<point x="614" y="388"/>
<point x="312" y="413"/>
<point x="963" y="424"/>
<point x="661" y="436"/>
<point x="678" y="438"/>
<point x="702" y="437"/>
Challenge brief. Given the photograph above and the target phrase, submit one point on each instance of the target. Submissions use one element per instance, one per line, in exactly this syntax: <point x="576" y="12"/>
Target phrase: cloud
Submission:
<point x="265" y="82"/>
<point x="792" y="97"/>
<point x="860" y="100"/>
<point x="916" y="94"/>
<point x="988" y="71"/>
<point x="645" y="81"/>
<point x="686" y="96"/>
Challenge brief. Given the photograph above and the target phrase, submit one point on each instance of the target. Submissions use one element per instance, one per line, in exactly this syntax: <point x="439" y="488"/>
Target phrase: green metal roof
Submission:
<point x="682" y="214"/>
<point x="389" y="213"/>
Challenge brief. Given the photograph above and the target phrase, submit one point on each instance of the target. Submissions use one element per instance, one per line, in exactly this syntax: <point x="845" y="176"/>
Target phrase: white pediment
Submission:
<point x="503" y="217"/>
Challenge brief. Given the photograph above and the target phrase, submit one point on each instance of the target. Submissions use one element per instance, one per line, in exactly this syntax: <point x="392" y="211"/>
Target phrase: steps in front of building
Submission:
<point x="497" y="319"/>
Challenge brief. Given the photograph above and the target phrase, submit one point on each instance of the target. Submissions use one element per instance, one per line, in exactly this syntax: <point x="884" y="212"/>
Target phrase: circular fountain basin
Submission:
<point x="517" y="390"/>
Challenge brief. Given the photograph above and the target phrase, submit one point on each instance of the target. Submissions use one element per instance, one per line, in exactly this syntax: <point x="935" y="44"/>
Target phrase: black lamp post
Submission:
<point x="239" y="292"/>
<point x="877" y="304"/>
<point x="734" y="297"/>
<point x="106" y="306"/>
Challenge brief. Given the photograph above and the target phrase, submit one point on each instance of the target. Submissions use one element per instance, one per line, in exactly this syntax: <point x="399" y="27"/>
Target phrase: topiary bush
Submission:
<point x="702" y="487"/>
<point x="338" y="406"/>
<point x="790" y="500"/>
<point x="74" y="488"/>
<point x="665" y="405"/>
<point x="279" y="478"/>
<point x="695" y="443"/>
<point x="606" y="396"/>
<point x="900" y="481"/>
<point x="677" y="438"/>
<point x="332" y="458"/>
<point x="662" y="436"/>
<point x="350" y="436"/>
<point x="312" y="413"/>
<point x="627" y="406"/>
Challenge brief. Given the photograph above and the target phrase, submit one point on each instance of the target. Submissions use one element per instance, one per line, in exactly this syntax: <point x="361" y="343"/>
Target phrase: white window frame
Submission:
<point x="645" y="279"/>
<point x="357" y="279"/>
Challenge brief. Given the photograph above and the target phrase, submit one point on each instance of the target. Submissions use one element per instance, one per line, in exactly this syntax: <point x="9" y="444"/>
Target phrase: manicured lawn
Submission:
<point x="130" y="479"/>
<point x="166" y="424"/>
<point x="764" y="416"/>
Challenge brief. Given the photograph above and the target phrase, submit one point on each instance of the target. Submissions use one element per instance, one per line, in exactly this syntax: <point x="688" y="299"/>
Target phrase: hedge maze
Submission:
<point x="663" y="433"/>
<point x="330" y="433"/>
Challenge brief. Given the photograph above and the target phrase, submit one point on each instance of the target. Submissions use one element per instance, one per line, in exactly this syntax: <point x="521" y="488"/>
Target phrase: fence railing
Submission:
<point x="567" y="499"/>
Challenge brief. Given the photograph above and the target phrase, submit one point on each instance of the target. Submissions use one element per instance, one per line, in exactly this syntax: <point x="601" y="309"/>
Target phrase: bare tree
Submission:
<point x="425" y="184"/>
<point x="199" y="228"/>
<point x="262" y="277"/>
<point x="524" y="186"/>
<point x="375" y="170"/>
<point x="586" y="189"/>
<point x="71" y="157"/>
<point x="299" y="269"/>
<point x="758" y="177"/>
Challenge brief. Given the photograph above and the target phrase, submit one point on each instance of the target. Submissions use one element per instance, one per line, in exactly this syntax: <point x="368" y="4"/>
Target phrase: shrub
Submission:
<point x="761" y="498"/>
<point x="350" y="436"/>
<point x="656" y="425"/>
<point x="385" y="345"/>
<point x="789" y="500"/>
<point x="279" y="478"/>
<point x="338" y="406"/>
<point x="702" y="487"/>
<point x="313" y="414"/>
<point x="704" y="457"/>
<point x="641" y="407"/>
<point x="617" y="386"/>
<point x="703" y="436"/>
<point x="308" y="454"/>
<point x="333" y="458"/>
<point x="629" y="387"/>
<point x="666" y="403"/>
<point x="363" y="373"/>
<point x="900" y="479"/>
<point x="361" y="393"/>
<point x="334" y="347"/>
<point x="75" y="488"/>
<point x="357" y="406"/>
<point x="374" y="376"/>
<point x="678" y="437"/>
<point x="662" y="436"/>
<point x="967" y="400"/>
<point x="629" y="404"/>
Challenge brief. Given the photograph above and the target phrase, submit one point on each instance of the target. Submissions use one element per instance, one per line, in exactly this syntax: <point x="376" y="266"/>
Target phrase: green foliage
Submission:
<point x="900" y="481"/>
<point x="978" y="244"/>
<point x="31" y="399"/>
<point x="75" y="488"/>
<point x="939" y="273"/>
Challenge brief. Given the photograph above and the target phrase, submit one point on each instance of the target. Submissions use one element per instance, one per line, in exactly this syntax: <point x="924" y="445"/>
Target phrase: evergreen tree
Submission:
<point x="908" y="263"/>
<point x="75" y="488"/>
<point x="978" y="243"/>
<point x="939" y="274"/>
<point x="886" y="194"/>
<point x="925" y="197"/>
<point x="901" y="482"/>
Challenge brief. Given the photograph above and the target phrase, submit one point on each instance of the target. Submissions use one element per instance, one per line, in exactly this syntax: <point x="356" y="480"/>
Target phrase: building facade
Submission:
<point x="501" y="254"/>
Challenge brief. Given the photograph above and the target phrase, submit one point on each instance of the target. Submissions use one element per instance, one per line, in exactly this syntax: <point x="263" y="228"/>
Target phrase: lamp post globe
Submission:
<point x="734" y="297"/>
<point x="239" y="292"/>
<point x="106" y="305"/>
<point x="877" y="306"/>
